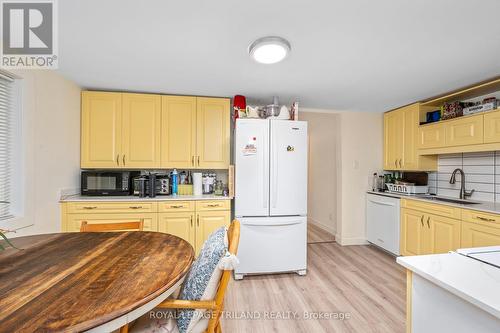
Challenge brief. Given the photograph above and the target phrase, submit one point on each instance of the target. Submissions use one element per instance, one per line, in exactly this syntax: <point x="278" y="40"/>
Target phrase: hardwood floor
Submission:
<point x="317" y="235"/>
<point x="362" y="282"/>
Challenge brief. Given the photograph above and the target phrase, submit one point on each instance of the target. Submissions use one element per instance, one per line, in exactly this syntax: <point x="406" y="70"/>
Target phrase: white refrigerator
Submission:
<point x="271" y="196"/>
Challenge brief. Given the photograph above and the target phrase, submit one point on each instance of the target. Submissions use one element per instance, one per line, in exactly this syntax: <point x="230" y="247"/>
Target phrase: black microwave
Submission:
<point x="95" y="182"/>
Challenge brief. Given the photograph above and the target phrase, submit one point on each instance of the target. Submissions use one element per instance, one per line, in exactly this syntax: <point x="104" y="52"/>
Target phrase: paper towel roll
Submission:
<point x="197" y="183"/>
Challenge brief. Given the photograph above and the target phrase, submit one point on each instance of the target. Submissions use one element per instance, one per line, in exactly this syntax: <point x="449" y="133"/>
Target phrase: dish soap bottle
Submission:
<point x="174" y="182"/>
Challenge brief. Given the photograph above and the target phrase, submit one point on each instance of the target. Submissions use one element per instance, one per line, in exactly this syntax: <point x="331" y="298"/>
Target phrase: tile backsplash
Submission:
<point x="482" y="173"/>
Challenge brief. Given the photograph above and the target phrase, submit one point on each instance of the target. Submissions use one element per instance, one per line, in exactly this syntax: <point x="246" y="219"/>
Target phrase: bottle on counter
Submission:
<point x="375" y="182"/>
<point x="174" y="182"/>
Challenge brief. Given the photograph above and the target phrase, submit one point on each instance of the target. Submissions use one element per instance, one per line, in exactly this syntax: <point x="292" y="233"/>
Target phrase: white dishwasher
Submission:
<point x="383" y="221"/>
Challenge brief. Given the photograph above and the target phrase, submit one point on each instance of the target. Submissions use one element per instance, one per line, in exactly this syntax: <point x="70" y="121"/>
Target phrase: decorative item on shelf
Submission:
<point x="273" y="110"/>
<point x="239" y="106"/>
<point x="252" y="111"/>
<point x="284" y="113"/>
<point x="294" y="111"/>
<point x="433" y="116"/>
<point x="487" y="104"/>
<point x="451" y="110"/>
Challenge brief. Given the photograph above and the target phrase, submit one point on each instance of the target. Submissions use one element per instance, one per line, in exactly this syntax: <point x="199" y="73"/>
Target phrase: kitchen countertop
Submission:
<point x="472" y="280"/>
<point x="482" y="206"/>
<point x="78" y="197"/>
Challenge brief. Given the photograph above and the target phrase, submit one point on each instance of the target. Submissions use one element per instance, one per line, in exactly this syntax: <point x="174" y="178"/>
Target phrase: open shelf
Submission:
<point x="476" y="90"/>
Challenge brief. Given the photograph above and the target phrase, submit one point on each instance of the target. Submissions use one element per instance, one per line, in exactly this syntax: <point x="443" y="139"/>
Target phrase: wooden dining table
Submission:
<point x="73" y="282"/>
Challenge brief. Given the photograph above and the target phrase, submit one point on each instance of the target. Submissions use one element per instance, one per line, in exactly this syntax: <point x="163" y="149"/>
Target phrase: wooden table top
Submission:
<point x="77" y="281"/>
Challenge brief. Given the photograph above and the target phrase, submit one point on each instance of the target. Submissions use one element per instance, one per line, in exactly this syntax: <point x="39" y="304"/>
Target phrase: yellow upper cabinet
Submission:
<point x="393" y="140"/>
<point x="178" y="132"/>
<point x="101" y="126"/>
<point x="141" y="131"/>
<point x="464" y="131"/>
<point x="212" y="131"/>
<point x="401" y="134"/>
<point x="431" y="136"/>
<point x="492" y="127"/>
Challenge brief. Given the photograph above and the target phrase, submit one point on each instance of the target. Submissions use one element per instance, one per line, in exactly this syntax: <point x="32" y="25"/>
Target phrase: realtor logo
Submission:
<point x="29" y="38"/>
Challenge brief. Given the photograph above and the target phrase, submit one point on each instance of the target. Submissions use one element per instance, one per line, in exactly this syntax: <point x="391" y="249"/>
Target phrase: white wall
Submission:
<point x="322" y="177"/>
<point x="360" y="155"/>
<point x="347" y="146"/>
<point x="51" y="133"/>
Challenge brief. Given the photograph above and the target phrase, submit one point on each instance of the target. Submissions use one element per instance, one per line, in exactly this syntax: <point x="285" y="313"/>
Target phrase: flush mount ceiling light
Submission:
<point x="269" y="50"/>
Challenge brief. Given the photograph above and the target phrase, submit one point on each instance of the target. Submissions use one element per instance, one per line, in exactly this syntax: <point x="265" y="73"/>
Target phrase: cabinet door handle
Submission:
<point x="192" y="160"/>
<point x="135" y="207"/>
<point x="198" y="160"/>
<point x="117" y="159"/>
<point x="191" y="219"/>
<point x="90" y="207"/>
<point x="428" y="224"/>
<point x="123" y="159"/>
<point x="396" y="163"/>
<point x="213" y="205"/>
<point x="400" y="163"/>
<point x="198" y="220"/>
<point x="177" y="206"/>
<point x="422" y="220"/>
<point x="485" y="219"/>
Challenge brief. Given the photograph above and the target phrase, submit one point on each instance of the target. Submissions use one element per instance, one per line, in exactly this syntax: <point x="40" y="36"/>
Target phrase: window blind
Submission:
<point x="6" y="116"/>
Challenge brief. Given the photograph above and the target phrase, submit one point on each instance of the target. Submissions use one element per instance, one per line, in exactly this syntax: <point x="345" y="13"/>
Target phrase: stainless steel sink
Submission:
<point x="457" y="201"/>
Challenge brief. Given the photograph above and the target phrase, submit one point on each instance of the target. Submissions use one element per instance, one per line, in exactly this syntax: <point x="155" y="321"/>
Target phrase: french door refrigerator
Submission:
<point x="271" y="196"/>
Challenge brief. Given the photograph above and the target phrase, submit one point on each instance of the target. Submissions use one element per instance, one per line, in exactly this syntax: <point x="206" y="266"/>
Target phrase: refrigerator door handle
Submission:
<point x="274" y="170"/>
<point x="265" y="174"/>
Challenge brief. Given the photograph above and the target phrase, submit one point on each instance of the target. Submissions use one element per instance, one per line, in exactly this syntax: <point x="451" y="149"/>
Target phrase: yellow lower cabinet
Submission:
<point x="412" y="232"/>
<point x="178" y="224"/>
<point x="444" y="234"/>
<point x="73" y="222"/>
<point x="478" y="234"/>
<point x="207" y="222"/>
<point x="428" y="234"/>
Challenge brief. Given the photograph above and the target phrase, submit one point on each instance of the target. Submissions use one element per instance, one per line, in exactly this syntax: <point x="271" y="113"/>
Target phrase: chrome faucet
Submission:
<point x="463" y="193"/>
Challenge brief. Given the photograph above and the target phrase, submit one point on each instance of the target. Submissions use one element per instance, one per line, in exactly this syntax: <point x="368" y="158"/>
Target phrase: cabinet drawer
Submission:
<point x="479" y="235"/>
<point x="431" y="208"/>
<point x="485" y="218"/>
<point x="209" y="205"/>
<point x="112" y="207"/>
<point x="176" y="206"/>
<point x="74" y="221"/>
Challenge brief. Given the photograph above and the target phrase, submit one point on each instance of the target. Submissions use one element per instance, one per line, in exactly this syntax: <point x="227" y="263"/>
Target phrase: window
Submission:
<point x="8" y="141"/>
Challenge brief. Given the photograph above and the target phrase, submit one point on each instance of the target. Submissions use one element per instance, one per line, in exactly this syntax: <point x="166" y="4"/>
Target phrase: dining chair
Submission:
<point x="215" y="305"/>
<point x="118" y="226"/>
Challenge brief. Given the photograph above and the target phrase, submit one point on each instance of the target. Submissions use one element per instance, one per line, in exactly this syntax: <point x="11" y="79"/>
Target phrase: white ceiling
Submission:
<point x="360" y="55"/>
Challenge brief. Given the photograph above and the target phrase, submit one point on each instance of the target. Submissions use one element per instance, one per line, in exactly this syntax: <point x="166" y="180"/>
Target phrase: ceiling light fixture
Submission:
<point x="269" y="50"/>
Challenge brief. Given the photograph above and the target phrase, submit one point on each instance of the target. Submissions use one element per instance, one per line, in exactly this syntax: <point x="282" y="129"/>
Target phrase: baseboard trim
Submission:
<point x="350" y="241"/>
<point x="321" y="226"/>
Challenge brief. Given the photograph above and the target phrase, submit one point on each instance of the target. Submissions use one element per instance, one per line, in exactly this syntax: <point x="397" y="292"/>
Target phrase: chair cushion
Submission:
<point x="202" y="280"/>
<point x="167" y="324"/>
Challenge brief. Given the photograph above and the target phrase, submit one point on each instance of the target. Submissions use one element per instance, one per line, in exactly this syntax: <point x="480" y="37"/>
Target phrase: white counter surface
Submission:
<point x="78" y="197"/>
<point x="474" y="281"/>
<point x="481" y="206"/>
